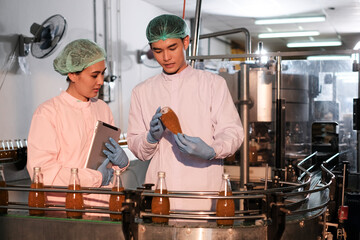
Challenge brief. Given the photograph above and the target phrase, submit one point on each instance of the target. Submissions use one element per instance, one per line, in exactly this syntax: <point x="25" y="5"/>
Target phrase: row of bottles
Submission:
<point x="74" y="200"/>
<point x="224" y="207"/>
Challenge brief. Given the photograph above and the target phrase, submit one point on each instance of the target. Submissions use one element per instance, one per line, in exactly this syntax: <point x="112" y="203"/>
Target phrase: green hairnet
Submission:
<point x="166" y="26"/>
<point x="78" y="55"/>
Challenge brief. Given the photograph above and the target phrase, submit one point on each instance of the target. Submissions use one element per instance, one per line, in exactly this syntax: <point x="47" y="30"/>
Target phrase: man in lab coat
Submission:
<point x="212" y="130"/>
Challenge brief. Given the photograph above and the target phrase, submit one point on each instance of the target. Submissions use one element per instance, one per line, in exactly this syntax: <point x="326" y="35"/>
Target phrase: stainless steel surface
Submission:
<point x="309" y="228"/>
<point x="244" y="114"/>
<point x="211" y="231"/>
<point x="19" y="226"/>
<point x="278" y="78"/>
<point x="274" y="54"/>
<point x="358" y="132"/>
<point x="194" y="44"/>
<point x="295" y="90"/>
<point x="261" y="87"/>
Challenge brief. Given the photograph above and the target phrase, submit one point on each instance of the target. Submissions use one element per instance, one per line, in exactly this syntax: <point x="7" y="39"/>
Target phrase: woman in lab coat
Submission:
<point x="208" y="118"/>
<point x="62" y="127"/>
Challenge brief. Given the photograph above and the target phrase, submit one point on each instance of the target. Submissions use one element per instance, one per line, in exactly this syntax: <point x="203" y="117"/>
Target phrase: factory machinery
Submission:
<point x="308" y="184"/>
<point x="296" y="175"/>
<point x="298" y="207"/>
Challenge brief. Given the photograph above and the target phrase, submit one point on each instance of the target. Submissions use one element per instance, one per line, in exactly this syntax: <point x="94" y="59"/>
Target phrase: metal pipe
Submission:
<point x="196" y="31"/>
<point x="280" y="121"/>
<point x="274" y="54"/>
<point x="343" y="186"/>
<point x="244" y="113"/>
<point x="232" y="31"/>
<point x="358" y="132"/>
<point x="94" y="11"/>
<point x="204" y="196"/>
<point x="183" y="216"/>
<point x="305" y="160"/>
<point x="266" y="176"/>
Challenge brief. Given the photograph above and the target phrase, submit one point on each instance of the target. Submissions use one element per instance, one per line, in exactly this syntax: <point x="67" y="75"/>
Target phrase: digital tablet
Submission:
<point x="102" y="133"/>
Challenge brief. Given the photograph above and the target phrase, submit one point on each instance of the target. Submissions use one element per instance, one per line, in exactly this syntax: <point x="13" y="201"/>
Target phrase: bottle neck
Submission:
<point x="161" y="183"/>
<point x="117" y="182"/>
<point x="226" y="187"/>
<point x="2" y="176"/>
<point x="37" y="177"/>
<point x="74" y="179"/>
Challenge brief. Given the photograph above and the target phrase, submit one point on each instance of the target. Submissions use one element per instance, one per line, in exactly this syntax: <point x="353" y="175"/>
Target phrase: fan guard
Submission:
<point x="46" y="37"/>
<point x="146" y="57"/>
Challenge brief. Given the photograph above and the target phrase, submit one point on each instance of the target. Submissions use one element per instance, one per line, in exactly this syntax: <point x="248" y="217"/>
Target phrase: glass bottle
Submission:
<point x="160" y="205"/>
<point x="253" y="155"/>
<point x="116" y="200"/>
<point x="4" y="195"/>
<point x="37" y="199"/>
<point x="74" y="200"/>
<point x="225" y="207"/>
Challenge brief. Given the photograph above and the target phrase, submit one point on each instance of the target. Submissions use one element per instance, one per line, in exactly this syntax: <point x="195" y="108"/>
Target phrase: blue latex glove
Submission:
<point x="194" y="146"/>
<point x="116" y="154"/>
<point x="107" y="173"/>
<point x="156" y="128"/>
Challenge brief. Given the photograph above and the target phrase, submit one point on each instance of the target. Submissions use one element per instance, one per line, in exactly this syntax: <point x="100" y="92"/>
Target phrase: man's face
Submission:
<point x="171" y="54"/>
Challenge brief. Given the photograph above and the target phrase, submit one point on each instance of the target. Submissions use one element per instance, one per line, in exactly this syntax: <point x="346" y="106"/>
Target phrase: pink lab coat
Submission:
<point x="205" y="109"/>
<point x="59" y="139"/>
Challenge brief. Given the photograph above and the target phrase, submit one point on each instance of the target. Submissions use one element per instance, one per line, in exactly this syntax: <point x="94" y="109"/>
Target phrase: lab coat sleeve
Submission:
<point x="137" y="131"/>
<point x="43" y="151"/>
<point x="228" y="130"/>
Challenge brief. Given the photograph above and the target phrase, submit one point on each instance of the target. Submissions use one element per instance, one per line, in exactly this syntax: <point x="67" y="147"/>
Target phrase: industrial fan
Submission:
<point x="46" y="37"/>
<point x="146" y="57"/>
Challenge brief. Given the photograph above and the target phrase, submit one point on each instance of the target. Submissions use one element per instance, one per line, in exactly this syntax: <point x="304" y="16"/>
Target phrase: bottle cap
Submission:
<point x="74" y="170"/>
<point x="117" y="171"/>
<point x="161" y="174"/>
<point x="37" y="169"/>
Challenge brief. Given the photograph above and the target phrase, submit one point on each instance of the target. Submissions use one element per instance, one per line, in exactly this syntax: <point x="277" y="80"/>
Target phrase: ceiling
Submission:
<point x="342" y="20"/>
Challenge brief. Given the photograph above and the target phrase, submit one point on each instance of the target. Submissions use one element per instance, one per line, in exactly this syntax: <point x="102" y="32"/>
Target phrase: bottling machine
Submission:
<point x="296" y="175"/>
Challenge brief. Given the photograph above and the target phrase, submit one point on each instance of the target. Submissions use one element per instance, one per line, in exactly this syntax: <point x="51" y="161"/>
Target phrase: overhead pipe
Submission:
<point x="194" y="43"/>
<point x="232" y="31"/>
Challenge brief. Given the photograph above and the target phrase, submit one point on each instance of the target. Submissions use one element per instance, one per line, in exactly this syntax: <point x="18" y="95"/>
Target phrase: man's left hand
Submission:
<point x="194" y="146"/>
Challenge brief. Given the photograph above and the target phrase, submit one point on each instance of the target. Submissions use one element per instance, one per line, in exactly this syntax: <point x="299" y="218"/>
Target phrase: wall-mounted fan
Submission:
<point x="46" y="37"/>
<point x="146" y="57"/>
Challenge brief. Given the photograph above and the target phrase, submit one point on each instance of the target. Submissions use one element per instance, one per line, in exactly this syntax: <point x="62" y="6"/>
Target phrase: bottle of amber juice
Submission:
<point x="74" y="200"/>
<point x="116" y="200"/>
<point x="225" y="207"/>
<point x="160" y="205"/>
<point x="37" y="198"/>
<point x="4" y="195"/>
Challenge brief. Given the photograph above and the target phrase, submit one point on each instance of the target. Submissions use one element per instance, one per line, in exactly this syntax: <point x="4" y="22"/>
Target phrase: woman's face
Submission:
<point x="86" y="84"/>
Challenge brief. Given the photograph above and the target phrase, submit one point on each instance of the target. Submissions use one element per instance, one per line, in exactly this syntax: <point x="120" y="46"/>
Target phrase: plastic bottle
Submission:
<point x="253" y="155"/>
<point x="74" y="200"/>
<point x="225" y="207"/>
<point x="116" y="200"/>
<point x="160" y="205"/>
<point x="4" y="195"/>
<point x="37" y="199"/>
